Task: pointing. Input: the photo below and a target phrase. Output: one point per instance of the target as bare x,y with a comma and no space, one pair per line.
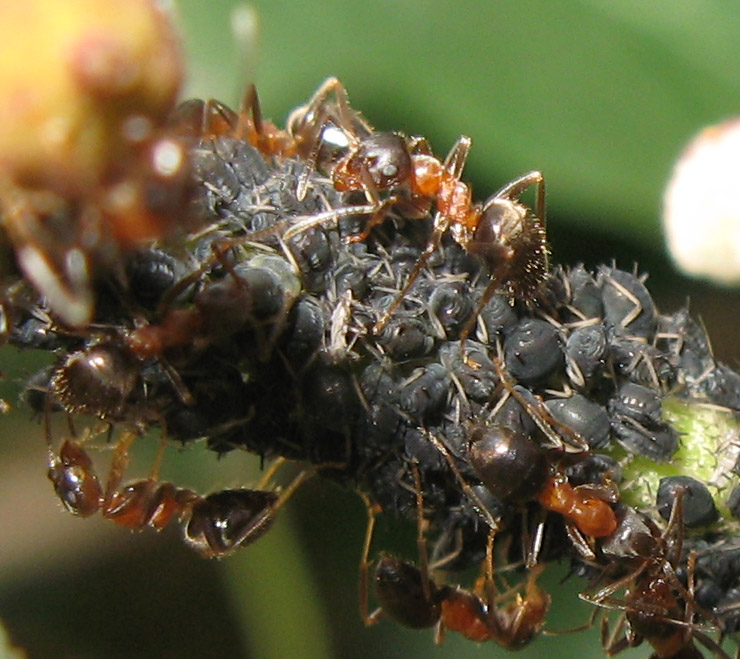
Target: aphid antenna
566,439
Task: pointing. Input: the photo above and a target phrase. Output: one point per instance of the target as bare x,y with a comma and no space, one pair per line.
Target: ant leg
421,543
469,492
490,584
492,287
515,188
457,157
270,473
378,216
306,223
441,226
250,129
118,465
305,112
365,563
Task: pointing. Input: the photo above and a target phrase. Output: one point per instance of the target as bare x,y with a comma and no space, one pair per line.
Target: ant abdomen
510,464
405,596
224,521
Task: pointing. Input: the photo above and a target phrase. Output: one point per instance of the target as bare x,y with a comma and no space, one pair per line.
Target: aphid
635,412
585,351
697,503
628,307
585,416
424,393
532,351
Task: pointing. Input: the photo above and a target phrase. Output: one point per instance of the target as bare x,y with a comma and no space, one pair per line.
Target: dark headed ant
214,525
657,606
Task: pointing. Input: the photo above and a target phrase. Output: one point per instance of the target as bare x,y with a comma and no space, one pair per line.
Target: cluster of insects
337,299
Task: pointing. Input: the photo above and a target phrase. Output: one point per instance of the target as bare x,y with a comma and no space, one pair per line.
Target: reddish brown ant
408,595
214,525
504,233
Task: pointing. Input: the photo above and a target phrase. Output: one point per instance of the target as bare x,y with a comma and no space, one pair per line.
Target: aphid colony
341,301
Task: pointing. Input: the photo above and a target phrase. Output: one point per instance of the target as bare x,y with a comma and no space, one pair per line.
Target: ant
656,606
214,525
309,126
503,232
515,469
408,595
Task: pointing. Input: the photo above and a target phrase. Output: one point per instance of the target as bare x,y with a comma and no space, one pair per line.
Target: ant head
75,482
381,160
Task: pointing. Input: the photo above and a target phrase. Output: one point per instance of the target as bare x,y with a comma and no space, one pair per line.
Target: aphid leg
441,225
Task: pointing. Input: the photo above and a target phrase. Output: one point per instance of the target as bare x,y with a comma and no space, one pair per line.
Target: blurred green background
599,95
